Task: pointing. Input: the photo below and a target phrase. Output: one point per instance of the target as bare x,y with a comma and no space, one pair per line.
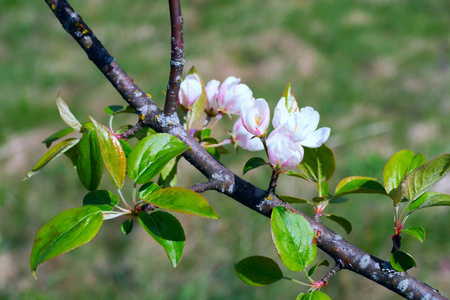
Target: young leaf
425,176
57,135
127,226
316,295
51,155
151,154
430,199
147,189
290,199
297,174
417,231
343,222
68,230
126,147
318,164
313,268
253,163
359,184
112,152
90,161
67,115
398,165
167,231
258,270
402,261
105,200
294,239
118,109
169,176
323,188
181,200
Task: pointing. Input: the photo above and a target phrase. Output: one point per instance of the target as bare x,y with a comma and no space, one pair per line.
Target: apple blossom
285,109
231,95
282,151
245,139
212,89
305,132
190,91
256,116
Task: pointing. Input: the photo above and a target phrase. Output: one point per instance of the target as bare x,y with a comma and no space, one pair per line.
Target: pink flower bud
256,116
245,139
232,94
190,91
212,89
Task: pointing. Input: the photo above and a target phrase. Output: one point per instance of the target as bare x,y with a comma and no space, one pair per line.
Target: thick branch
176,59
347,255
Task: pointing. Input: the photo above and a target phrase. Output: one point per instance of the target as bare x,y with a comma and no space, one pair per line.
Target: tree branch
347,255
176,59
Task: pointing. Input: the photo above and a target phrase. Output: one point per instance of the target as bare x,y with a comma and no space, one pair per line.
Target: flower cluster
293,128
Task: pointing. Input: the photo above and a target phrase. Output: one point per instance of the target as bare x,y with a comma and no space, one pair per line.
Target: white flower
245,139
256,116
306,132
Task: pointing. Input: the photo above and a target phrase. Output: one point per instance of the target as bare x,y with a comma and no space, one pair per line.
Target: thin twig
176,59
205,186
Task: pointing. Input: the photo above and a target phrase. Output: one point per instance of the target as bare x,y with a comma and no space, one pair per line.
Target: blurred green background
376,70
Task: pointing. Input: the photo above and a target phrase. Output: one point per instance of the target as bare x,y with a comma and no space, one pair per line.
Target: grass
377,71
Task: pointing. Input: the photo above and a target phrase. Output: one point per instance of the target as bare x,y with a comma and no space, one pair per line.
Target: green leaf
57,135
359,184
90,161
118,109
199,106
401,163
202,134
51,155
296,174
290,199
316,295
338,200
343,222
313,268
105,200
430,199
253,163
147,189
112,152
167,231
67,115
72,154
318,164
294,239
183,201
169,176
151,154
402,261
126,147
417,231
323,188
127,226
68,230
258,270
425,176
